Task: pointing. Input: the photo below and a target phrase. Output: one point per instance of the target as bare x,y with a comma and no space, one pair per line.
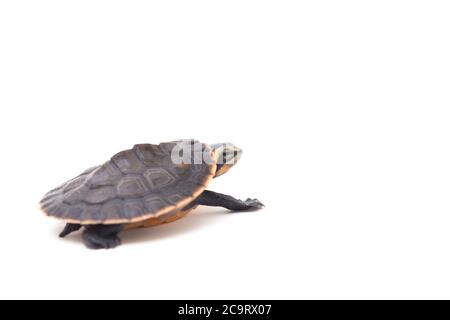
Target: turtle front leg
102,236
214,199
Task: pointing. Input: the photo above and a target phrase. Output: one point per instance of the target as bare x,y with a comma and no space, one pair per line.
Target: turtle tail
69,228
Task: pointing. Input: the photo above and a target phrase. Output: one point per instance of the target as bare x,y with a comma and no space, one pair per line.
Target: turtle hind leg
69,228
102,236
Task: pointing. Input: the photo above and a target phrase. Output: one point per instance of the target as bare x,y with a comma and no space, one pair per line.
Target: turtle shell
133,186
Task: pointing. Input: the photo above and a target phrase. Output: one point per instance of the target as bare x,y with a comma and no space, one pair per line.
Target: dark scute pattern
128,162
113,209
149,153
175,198
75,196
132,186
134,208
134,183
158,178
154,202
74,183
76,211
99,195
94,211
105,175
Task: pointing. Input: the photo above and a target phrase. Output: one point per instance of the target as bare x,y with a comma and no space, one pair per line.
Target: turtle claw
253,204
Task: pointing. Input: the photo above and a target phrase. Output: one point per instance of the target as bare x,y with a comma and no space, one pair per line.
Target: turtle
142,187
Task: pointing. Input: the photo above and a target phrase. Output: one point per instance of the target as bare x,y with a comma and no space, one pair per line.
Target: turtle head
227,155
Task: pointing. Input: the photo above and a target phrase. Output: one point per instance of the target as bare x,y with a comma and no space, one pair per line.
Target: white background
342,108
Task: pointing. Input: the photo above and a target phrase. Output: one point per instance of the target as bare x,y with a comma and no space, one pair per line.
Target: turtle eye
227,157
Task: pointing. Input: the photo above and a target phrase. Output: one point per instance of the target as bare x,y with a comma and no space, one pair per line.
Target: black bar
243,309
